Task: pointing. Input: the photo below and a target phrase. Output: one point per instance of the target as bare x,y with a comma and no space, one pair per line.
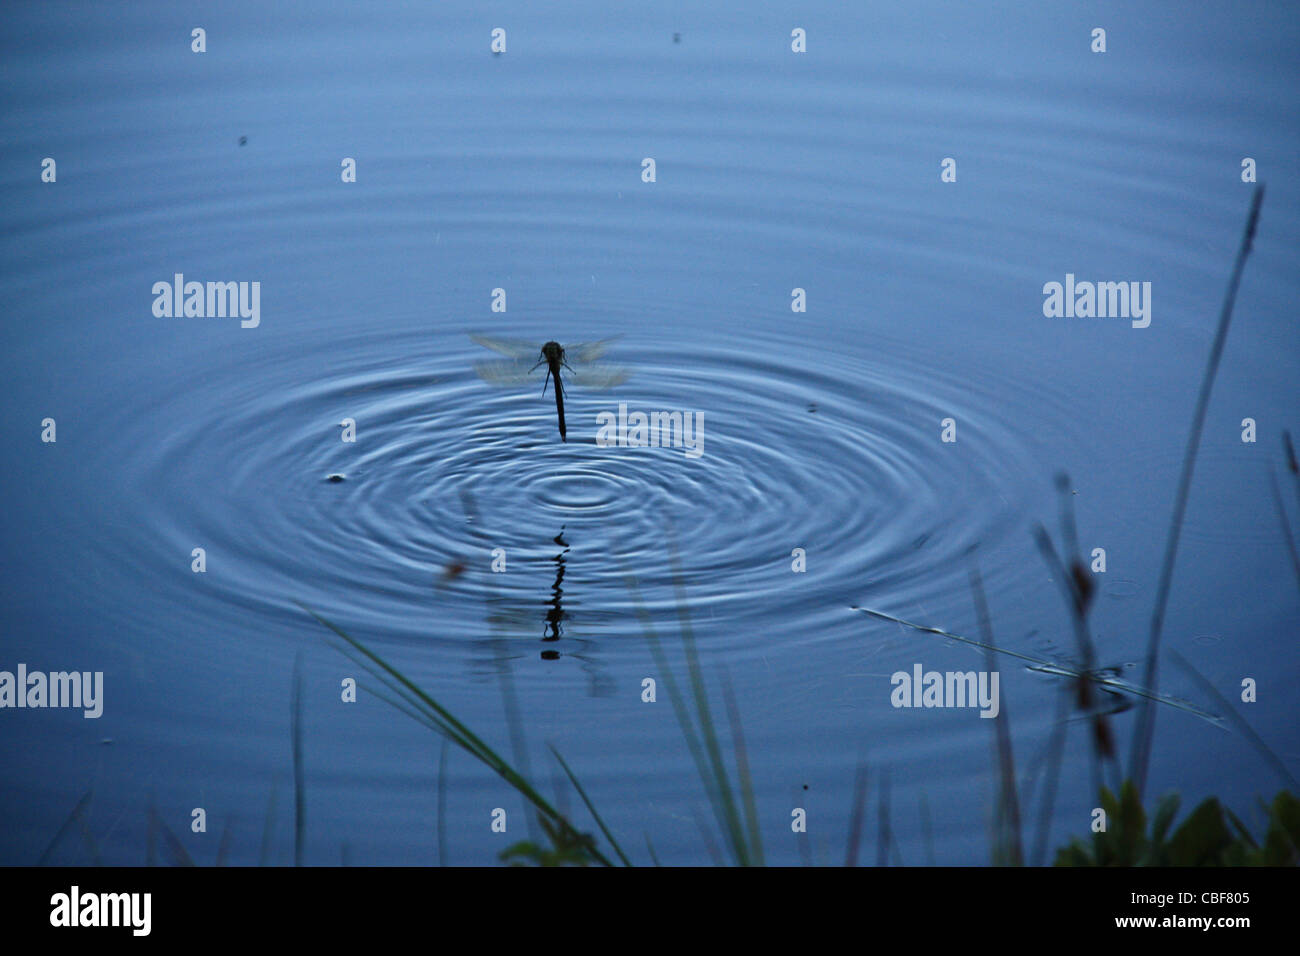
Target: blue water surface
775,171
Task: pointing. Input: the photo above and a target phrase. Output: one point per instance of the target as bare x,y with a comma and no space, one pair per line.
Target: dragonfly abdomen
559,405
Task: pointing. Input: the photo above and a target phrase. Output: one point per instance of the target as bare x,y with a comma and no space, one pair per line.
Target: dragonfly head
553,353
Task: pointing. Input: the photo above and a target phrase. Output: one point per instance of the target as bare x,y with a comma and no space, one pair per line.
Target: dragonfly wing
515,348
600,375
589,351
503,373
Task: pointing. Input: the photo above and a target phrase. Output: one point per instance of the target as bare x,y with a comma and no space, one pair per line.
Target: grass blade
1292,465
745,855
299,789
884,835
443,722
707,771
591,808
442,804
927,832
1284,524
75,817
1051,779
1144,730
1247,731
1008,844
742,771
858,815
175,849
654,857
268,828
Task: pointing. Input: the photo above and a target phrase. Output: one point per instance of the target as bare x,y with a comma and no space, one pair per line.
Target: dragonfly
516,371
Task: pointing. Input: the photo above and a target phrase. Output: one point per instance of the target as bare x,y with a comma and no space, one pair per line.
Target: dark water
775,171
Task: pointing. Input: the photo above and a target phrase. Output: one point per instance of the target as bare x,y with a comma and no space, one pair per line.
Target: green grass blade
75,817
678,700
299,787
858,815
442,804
730,813
591,808
1144,729
175,849
268,828
1009,839
742,772
1247,731
441,720
1285,525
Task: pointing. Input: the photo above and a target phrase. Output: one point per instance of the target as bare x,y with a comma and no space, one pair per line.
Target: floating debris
453,569
1103,677
243,141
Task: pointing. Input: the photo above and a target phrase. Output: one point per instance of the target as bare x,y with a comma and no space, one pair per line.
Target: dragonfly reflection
555,615
554,356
